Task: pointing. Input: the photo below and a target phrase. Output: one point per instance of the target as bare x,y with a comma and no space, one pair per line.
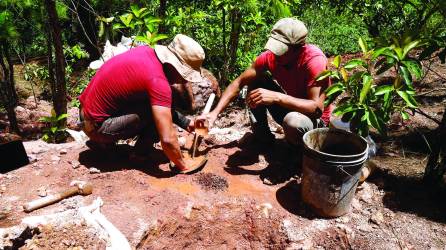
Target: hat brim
167,56
277,47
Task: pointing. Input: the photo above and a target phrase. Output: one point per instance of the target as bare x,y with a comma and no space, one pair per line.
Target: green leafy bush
365,104
138,22
335,33
54,131
78,87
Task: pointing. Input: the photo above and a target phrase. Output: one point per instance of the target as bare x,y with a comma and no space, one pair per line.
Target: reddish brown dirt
147,202
67,237
224,225
156,209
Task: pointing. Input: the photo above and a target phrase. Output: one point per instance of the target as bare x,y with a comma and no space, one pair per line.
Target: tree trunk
162,14
7,89
436,165
236,24
86,30
60,97
49,52
224,73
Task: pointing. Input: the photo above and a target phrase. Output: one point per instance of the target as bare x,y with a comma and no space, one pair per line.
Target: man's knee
295,125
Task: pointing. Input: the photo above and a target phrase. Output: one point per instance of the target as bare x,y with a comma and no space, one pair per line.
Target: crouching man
134,93
282,80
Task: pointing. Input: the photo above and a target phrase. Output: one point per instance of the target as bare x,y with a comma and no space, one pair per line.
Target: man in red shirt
133,94
282,80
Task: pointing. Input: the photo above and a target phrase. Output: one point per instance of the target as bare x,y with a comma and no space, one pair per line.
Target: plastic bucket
332,164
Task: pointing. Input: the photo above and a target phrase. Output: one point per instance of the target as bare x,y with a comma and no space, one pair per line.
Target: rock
267,181
55,158
293,232
182,141
42,192
343,219
38,150
63,151
366,194
356,204
188,209
202,90
74,164
2,188
306,244
32,158
265,208
20,109
94,171
364,228
377,218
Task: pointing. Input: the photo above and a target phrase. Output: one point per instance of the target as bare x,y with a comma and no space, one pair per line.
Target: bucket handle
341,168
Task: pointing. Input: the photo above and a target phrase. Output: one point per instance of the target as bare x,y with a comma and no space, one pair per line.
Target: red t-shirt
135,76
297,77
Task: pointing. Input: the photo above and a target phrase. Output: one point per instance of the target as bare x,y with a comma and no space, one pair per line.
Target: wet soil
210,181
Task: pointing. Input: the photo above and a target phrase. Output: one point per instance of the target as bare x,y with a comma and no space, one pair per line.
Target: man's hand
191,127
262,96
162,117
206,120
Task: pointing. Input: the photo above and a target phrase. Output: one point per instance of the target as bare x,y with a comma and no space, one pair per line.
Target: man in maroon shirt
134,93
282,80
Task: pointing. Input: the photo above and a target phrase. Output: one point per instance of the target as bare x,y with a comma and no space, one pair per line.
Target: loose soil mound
228,226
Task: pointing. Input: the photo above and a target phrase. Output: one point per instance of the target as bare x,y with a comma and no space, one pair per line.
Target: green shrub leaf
406,75
363,45
410,101
381,90
409,47
334,89
337,61
324,74
366,85
354,63
414,67
405,115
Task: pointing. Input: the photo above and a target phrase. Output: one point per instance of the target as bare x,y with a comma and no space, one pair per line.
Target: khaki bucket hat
185,54
286,32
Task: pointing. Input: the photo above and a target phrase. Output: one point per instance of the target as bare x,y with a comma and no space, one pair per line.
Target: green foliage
54,132
78,87
138,22
72,55
364,103
335,33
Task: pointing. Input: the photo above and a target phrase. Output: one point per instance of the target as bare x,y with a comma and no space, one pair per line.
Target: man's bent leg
295,125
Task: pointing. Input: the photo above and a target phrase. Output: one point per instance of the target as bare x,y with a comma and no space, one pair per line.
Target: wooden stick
206,110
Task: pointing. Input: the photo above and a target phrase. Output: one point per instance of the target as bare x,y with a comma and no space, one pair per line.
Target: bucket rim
363,154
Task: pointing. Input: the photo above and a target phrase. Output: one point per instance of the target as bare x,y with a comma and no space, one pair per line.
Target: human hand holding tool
202,127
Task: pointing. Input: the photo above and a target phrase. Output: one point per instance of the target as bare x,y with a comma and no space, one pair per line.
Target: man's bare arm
168,136
232,91
312,107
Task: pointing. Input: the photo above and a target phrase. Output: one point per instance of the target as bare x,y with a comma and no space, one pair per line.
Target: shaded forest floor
227,204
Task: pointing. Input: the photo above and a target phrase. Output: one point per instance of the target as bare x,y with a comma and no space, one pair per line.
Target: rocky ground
228,204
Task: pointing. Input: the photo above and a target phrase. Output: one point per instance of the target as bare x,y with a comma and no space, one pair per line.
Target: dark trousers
294,124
